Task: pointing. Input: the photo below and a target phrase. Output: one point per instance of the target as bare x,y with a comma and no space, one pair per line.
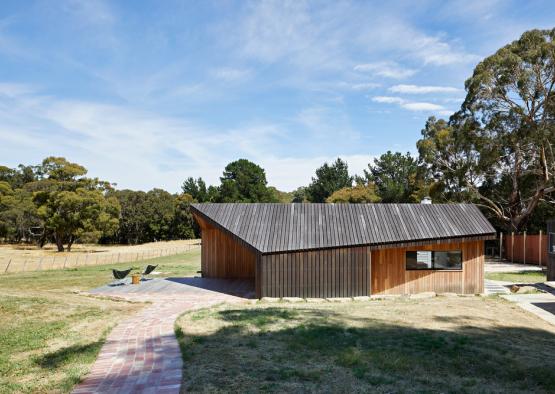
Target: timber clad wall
342,272
389,275
223,257
551,254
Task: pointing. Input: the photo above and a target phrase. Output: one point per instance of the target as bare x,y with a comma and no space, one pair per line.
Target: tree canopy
397,177
328,179
355,195
244,181
498,149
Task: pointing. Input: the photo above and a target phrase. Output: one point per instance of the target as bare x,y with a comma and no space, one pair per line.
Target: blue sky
145,94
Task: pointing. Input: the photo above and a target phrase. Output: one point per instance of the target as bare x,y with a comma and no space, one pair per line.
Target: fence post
500,245
24,264
540,251
65,261
524,248
8,266
118,256
40,263
512,247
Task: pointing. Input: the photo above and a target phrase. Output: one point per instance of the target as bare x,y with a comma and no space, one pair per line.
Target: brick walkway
141,354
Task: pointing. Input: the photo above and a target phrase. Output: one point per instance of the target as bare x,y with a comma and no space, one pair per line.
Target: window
434,260
551,246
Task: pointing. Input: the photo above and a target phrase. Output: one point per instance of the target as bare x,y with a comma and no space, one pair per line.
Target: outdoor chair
120,276
149,268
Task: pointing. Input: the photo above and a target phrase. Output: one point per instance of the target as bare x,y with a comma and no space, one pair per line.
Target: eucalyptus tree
498,148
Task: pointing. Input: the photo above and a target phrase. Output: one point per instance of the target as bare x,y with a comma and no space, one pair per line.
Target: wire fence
17,264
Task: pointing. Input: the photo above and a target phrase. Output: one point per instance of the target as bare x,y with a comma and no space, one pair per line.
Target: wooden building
345,250
551,250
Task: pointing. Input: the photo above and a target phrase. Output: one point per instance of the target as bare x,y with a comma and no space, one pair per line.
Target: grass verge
438,345
50,334
517,277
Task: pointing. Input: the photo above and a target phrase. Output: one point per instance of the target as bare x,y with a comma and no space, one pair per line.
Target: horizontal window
434,260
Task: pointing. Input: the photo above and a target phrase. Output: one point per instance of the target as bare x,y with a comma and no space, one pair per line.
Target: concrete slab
507,266
492,287
152,289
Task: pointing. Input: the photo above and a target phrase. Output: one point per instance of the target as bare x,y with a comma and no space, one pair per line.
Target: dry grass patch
50,334
49,341
436,345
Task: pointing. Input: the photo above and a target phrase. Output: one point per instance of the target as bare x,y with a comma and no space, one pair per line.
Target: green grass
50,334
517,277
433,346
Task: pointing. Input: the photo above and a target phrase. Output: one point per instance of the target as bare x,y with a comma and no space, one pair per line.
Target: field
21,257
50,333
444,344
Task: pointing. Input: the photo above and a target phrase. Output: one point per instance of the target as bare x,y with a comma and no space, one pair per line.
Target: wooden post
40,263
524,248
512,247
65,261
24,264
8,266
540,249
118,256
500,246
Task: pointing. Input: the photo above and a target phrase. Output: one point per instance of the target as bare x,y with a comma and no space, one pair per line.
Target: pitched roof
271,228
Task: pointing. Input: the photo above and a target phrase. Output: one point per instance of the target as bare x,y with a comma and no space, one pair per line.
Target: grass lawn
517,277
50,334
439,345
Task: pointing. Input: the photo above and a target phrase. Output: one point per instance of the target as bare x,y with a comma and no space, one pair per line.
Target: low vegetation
518,277
50,334
455,344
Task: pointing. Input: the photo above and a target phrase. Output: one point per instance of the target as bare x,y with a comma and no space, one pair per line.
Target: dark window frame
551,243
433,265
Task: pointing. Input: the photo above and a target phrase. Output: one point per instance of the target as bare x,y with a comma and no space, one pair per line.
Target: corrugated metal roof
271,228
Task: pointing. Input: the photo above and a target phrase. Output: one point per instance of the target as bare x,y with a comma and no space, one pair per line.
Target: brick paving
141,354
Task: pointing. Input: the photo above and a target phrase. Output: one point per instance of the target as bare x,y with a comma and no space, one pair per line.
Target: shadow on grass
68,355
319,350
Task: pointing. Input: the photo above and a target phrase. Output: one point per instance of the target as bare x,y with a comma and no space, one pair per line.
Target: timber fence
70,260
525,248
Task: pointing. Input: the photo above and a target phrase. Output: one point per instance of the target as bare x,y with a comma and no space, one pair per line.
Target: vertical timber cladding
338,272
389,275
551,250
224,257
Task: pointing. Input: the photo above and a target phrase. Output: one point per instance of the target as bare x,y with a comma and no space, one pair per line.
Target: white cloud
15,89
141,150
93,12
419,89
288,173
415,106
422,106
386,69
388,100
230,74
365,86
